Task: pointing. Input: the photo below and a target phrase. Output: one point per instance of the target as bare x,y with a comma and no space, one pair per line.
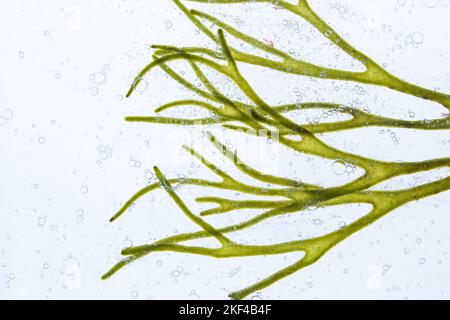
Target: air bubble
8,114
431,3
41,221
339,167
71,266
140,85
134,163
80,215
84,189
99,78
93,91
168,24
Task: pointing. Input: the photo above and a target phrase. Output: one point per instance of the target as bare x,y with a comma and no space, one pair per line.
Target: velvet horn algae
257,117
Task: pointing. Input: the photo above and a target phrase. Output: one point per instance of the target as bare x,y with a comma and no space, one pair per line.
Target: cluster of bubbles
177,273
298,94
98,79
359,90
79,215
392,134
9,279
6,116
135,163
104,153
325,114
293,25
343,11
233,272
415,39
340,167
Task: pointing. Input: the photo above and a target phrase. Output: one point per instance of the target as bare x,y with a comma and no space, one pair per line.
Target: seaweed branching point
259,118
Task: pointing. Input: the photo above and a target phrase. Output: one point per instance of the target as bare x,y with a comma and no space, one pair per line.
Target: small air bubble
93,91
339,167
99,78
8,114
84,189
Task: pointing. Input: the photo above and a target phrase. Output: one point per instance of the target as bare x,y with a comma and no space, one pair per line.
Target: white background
68,159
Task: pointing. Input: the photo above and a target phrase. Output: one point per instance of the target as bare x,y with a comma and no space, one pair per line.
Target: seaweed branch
374,73
287,196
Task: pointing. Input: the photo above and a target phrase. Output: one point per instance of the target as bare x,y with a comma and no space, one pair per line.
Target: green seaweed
259,118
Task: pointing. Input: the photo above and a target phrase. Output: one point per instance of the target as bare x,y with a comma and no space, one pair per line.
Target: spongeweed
258,116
